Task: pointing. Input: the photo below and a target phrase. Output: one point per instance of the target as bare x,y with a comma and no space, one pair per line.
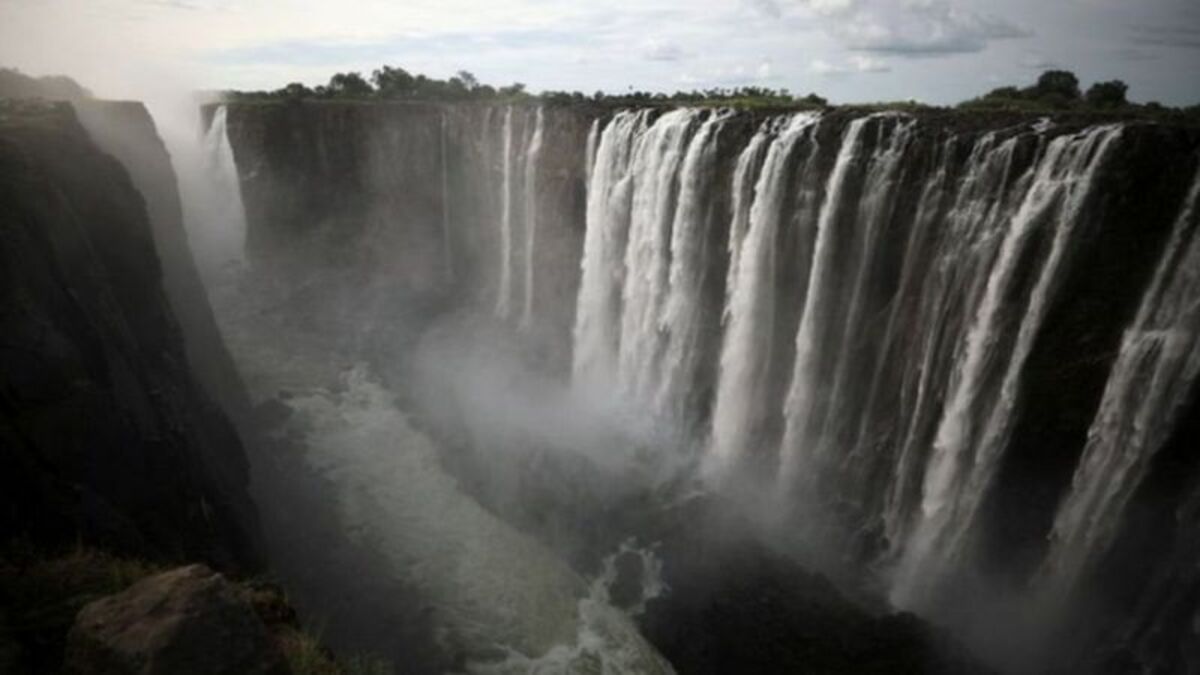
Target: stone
186,621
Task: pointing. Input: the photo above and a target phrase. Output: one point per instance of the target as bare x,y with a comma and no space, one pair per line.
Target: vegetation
1054,91
390,83
41,593
1059,91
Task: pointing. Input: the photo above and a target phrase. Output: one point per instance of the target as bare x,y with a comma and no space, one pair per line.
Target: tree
469,81
514,90
393,82
1003,93
1109,94
349,85
295,91
1057,83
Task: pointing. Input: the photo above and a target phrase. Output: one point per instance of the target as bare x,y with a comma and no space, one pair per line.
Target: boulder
188,620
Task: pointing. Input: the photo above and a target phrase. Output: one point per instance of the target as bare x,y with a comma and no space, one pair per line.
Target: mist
724,380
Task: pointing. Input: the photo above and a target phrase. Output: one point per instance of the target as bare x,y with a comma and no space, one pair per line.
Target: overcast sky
937,51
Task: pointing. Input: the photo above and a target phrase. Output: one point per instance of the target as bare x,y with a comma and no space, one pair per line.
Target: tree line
1054,90
392,83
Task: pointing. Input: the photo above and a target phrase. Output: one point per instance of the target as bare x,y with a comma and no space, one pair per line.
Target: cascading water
658,157
889,283
817,404
532,157
589,156
497,598
913,318
505,285
742,398
682,322
1149,382
955,482
597,312
224,222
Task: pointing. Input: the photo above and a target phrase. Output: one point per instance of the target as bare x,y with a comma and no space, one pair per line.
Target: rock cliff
109,436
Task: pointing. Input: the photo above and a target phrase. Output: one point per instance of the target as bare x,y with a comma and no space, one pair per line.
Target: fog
438,486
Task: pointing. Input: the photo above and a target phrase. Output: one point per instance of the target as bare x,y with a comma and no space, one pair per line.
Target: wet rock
188,620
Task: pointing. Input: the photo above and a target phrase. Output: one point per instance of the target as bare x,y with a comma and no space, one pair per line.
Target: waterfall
800,406
504,288
1158,362
597,312
589,155
447,250
742,398
532,157
657,161
976,421
227,240
883,298
682,321
947,282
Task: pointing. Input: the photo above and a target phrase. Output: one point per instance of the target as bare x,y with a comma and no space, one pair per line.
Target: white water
1147,386
832,339
532,158
589,155
504,287
682,324
222,233
974,224
965,456
658,156
597,323
742,402
803,392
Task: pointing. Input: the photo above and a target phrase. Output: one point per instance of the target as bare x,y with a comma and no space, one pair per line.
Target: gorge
544,386
948,359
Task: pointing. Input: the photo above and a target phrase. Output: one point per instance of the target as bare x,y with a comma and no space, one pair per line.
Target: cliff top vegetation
1054,92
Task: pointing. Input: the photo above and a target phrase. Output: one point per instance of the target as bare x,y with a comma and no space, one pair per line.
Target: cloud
831,7
1167,36
926,31
767,7
658,50
910,28
736,75
1038,62
856,64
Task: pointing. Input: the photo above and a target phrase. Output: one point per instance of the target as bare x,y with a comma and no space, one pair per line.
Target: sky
934,51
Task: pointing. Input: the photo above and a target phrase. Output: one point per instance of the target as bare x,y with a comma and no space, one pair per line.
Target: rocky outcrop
125,130
182,622
109,438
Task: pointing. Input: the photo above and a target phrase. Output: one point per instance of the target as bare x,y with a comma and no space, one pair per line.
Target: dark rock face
108,437
409,194
125,130
186,621
731,605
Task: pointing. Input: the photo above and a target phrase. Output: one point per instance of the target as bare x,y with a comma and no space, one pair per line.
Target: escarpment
110,438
